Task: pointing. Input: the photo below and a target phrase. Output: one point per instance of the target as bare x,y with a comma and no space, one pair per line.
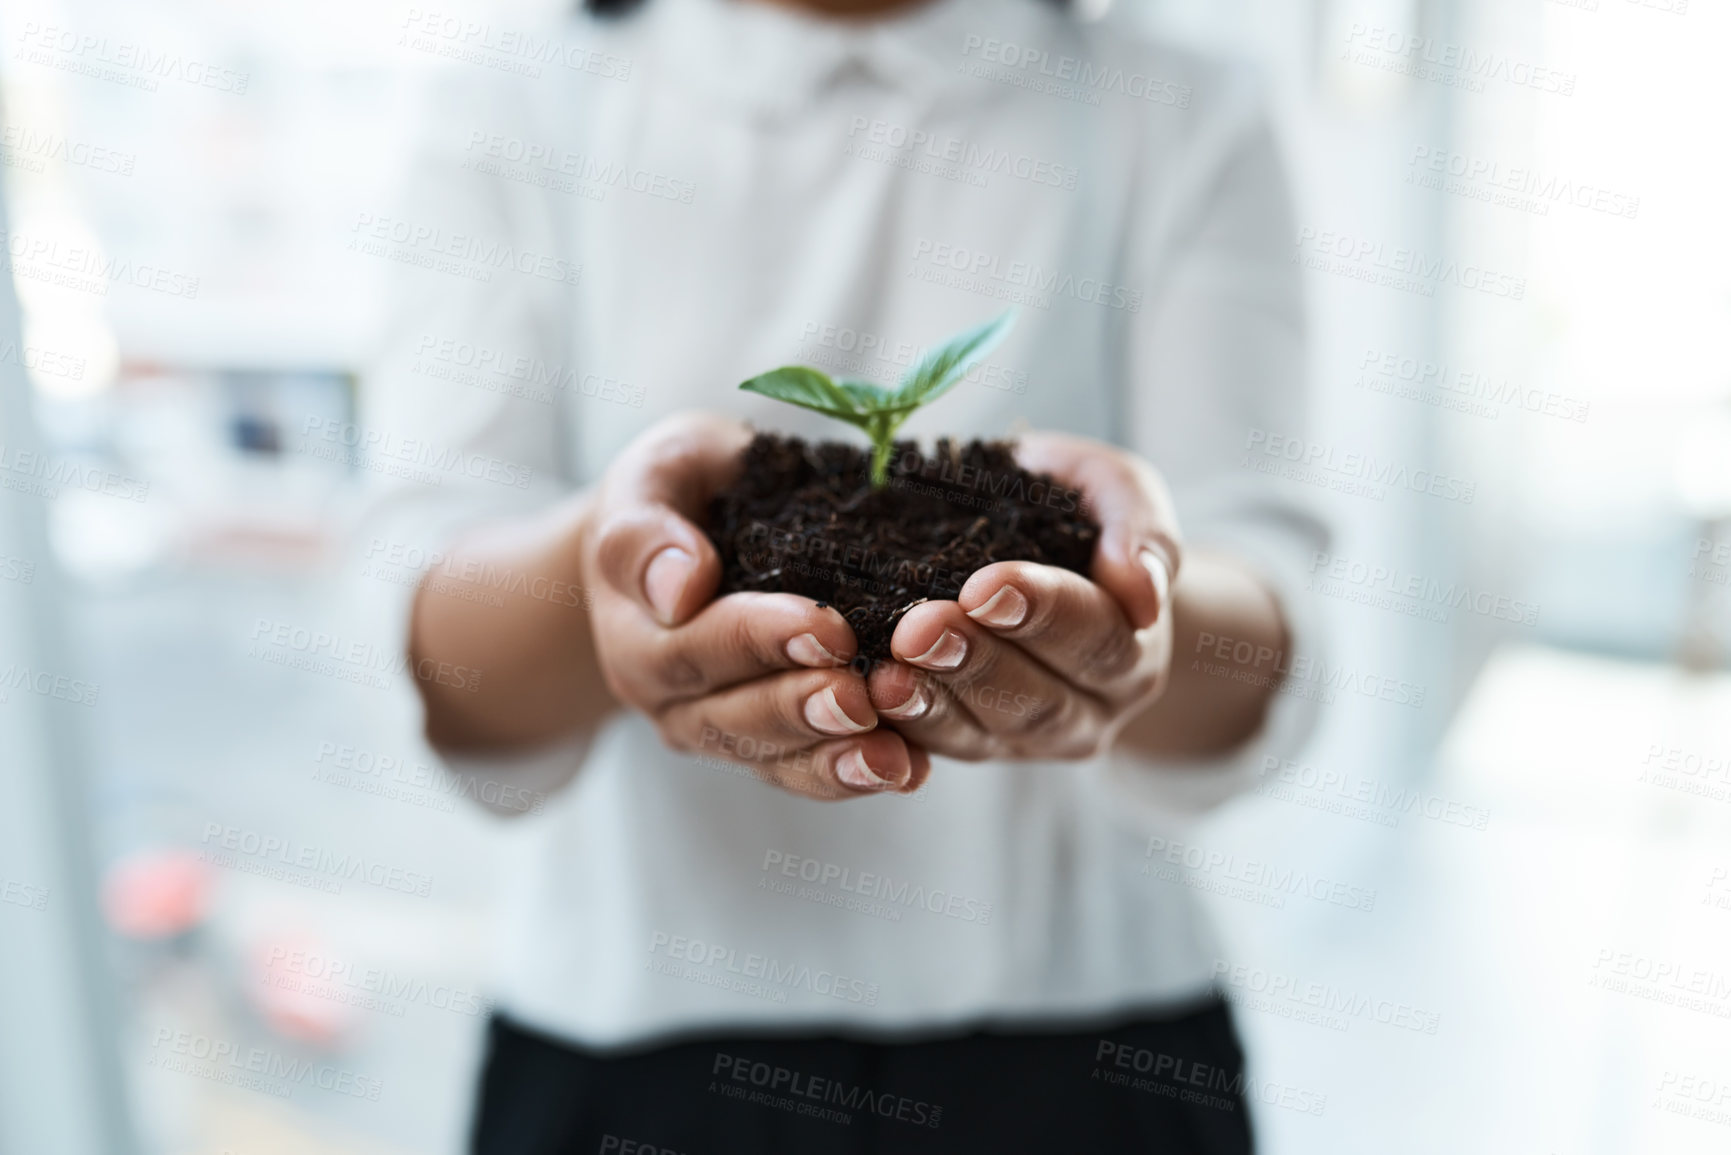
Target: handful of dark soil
803,519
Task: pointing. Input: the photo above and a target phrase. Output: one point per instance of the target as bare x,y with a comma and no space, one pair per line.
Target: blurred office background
1545,827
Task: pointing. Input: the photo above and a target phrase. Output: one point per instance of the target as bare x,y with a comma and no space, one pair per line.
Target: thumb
648,546
1137,557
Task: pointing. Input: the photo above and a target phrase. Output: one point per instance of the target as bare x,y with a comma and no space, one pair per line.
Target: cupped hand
1033,661
759,679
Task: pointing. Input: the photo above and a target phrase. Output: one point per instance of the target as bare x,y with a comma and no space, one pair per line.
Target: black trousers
1148,1085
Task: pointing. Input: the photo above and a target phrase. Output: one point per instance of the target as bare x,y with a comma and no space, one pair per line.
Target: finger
1069,624
733,639
922,765
841,769
920,708
810,731
1018,702
791,710
647,544
824,772
1139,552
680,462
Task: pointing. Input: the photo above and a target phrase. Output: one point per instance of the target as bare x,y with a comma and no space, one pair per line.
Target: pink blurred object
299,988
156,893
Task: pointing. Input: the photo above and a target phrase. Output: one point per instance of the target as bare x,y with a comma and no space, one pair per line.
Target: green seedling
874,408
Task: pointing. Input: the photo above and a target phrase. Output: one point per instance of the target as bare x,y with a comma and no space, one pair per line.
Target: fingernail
1161,573
917,704
665,580
946,653
808,651
825,715
851,768
1005,609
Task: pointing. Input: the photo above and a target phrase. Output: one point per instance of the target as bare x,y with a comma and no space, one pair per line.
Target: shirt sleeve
463,408
1216,354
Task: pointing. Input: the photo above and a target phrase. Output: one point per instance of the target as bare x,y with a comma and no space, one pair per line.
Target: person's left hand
1033,661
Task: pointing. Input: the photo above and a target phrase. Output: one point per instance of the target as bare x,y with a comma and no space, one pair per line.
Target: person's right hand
759,679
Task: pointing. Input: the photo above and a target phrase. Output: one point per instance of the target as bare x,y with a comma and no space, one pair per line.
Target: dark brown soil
803,519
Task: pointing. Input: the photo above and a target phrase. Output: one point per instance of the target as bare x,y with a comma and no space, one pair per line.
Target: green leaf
878,411
876,399
798,385
939,370
869,396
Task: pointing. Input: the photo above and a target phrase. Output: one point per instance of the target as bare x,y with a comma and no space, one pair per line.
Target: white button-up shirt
616,221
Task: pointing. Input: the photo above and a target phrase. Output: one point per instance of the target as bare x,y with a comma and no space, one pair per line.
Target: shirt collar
774,61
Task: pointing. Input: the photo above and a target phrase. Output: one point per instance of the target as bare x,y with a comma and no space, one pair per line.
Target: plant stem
881,461
881,428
